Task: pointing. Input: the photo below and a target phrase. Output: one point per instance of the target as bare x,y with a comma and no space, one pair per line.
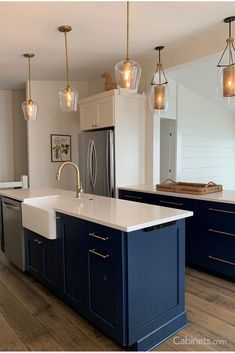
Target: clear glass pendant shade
30,110
127,74
68,99
159,98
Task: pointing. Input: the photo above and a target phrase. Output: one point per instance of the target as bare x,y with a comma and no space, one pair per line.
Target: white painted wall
205,139
19,135
51,120
6,137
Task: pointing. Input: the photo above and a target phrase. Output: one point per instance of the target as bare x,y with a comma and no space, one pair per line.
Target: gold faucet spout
78,186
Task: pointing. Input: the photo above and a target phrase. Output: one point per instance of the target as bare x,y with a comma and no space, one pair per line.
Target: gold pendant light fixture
30,108
159,91
68,96
227,65
128,72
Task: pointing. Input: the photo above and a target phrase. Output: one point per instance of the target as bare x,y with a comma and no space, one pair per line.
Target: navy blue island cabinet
129,285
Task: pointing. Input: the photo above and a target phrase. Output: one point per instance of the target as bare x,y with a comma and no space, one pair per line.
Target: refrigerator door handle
94,165
110,164
111,158
89,167
107,165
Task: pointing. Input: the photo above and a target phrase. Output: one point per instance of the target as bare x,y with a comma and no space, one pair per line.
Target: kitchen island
210,233
118,263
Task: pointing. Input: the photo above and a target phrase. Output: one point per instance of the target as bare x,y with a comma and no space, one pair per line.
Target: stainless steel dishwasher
13,232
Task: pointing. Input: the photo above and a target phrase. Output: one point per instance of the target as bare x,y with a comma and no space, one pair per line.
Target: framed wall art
60,148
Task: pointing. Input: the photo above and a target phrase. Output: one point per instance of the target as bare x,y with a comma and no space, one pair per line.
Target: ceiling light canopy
128,72
30,108
227,65
68,96
159,91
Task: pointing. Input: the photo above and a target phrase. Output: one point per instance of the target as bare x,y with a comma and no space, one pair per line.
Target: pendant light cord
127,30
29,79
230,56
159,62
66,58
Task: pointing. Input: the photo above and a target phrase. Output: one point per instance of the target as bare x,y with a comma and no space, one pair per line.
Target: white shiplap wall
205,140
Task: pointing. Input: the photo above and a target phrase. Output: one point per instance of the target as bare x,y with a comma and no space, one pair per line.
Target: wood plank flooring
33,319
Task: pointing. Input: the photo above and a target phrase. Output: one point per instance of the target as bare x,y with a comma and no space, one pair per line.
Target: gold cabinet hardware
171,203
133,197
94,252
221,232
221,260
93,235
221,211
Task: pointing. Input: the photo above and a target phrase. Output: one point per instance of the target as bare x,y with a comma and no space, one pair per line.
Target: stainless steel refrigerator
96,162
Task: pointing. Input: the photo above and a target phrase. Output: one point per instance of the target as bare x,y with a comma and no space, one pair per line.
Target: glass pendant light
128,72
68,96
227,66
30,108
159,91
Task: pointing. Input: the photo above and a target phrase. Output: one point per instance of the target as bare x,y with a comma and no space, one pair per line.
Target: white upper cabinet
126,115
97,112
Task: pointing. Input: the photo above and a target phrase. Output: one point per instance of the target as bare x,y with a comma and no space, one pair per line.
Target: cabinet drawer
219,217
137,196
176,202
102,240
221,244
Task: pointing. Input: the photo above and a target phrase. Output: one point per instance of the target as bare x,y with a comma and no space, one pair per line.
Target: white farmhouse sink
38,214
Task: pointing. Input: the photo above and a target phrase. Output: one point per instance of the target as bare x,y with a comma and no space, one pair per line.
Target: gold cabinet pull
133,197
221,232
221,211
221,260
93,235
94,252
171,203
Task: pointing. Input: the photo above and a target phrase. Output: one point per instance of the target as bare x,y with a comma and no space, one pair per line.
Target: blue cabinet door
52,265
74,243
34,254
106,284
43,260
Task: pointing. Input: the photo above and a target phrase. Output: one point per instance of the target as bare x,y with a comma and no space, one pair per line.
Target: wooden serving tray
190,188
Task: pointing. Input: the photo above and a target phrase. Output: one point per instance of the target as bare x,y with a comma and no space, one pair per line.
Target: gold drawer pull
93,251
171,203
133,197
221,260
93,235
220,232
221,211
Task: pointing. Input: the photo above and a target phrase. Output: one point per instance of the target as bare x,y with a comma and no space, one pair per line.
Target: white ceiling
97,41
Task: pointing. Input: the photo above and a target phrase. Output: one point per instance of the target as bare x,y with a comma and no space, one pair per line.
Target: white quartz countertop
226,196
23,194
119,214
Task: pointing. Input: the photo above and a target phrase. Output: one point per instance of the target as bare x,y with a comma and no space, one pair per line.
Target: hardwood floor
31,318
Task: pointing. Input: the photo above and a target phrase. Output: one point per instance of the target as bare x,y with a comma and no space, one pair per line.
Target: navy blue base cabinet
130,285
210,233
43,260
